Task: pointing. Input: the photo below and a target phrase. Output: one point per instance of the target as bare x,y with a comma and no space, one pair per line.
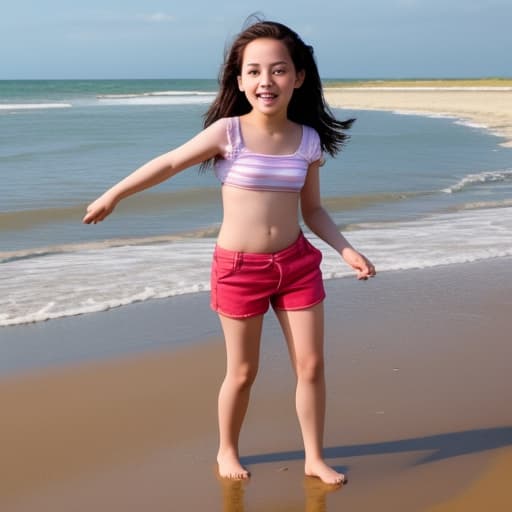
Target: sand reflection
315,494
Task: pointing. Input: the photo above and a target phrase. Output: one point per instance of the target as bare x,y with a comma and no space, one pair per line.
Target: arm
321,223
203,146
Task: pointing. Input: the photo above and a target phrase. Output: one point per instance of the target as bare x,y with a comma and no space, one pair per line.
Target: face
268,76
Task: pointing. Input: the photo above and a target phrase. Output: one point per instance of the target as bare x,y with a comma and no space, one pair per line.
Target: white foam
472,124
447,115
33,106
478,205
422,113
458,118
155,93
179,100
64,284
158,98
479,178
440,239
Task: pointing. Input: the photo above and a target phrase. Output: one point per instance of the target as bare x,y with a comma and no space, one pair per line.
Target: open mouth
266,96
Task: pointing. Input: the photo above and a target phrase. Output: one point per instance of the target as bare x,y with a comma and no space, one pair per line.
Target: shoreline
418,387
73,339
489,108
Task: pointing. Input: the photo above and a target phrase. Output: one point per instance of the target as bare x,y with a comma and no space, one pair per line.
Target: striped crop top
242,168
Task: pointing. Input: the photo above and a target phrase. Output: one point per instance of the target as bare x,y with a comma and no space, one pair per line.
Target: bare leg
304,332
242,338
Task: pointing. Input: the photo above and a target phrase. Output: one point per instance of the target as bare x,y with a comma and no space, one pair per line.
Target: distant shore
486,103
495,82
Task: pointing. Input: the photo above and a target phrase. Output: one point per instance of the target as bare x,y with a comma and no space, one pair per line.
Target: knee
242,377
310,370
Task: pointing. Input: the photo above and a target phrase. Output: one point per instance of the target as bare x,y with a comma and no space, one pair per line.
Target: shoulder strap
234,136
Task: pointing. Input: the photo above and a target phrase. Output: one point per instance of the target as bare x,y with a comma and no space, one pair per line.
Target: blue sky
186,39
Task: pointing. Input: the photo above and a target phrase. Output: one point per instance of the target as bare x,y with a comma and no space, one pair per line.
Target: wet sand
419,412
485,107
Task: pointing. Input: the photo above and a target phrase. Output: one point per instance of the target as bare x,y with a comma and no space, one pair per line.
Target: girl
264,135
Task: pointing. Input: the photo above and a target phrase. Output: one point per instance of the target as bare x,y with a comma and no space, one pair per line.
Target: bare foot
230,467
327,474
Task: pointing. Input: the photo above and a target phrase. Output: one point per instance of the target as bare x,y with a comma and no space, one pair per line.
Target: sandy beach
419,410
486,106
117,410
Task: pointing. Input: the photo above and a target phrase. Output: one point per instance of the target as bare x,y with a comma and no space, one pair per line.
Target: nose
266,78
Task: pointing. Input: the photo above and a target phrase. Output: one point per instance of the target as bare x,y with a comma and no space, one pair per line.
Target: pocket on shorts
314,250
223,268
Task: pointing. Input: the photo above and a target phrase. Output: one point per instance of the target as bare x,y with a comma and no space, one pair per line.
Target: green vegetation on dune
443,82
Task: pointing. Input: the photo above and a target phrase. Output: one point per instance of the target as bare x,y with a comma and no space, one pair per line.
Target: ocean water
409,191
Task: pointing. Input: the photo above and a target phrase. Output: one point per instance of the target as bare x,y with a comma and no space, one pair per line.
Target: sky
45,39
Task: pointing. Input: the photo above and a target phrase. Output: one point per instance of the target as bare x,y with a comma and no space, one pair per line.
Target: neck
268,122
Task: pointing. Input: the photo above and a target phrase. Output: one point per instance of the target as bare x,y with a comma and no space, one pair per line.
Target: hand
99,209
362,265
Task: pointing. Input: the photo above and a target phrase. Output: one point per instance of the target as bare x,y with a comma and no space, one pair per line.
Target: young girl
264,135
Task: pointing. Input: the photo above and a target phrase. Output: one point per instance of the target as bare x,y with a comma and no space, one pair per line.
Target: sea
409,191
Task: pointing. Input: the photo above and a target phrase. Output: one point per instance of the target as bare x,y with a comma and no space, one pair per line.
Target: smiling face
268,76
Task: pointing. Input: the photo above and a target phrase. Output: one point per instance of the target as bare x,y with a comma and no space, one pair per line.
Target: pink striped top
242,168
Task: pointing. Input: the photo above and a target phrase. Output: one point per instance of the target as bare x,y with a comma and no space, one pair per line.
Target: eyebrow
278,63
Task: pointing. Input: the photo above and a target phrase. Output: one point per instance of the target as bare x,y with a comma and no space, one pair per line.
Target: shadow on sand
440,446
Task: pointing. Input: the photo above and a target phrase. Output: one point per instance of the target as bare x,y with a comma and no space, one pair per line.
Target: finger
361,275
90,217
96,216
370,269
365,274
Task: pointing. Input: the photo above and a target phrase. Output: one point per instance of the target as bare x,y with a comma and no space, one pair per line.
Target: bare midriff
258,221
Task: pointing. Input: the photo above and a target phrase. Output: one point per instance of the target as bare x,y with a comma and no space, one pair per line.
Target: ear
239,80
301,75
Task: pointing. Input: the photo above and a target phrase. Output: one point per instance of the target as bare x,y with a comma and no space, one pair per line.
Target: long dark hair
307,105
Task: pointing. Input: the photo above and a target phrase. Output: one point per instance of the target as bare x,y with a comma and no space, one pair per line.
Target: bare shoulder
218,127
209,141
216,133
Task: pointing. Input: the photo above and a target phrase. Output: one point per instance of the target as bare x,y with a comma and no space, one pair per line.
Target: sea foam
85,281
158,98
33,106
479,178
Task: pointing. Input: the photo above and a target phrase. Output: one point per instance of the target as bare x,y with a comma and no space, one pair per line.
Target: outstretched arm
203,146
321,223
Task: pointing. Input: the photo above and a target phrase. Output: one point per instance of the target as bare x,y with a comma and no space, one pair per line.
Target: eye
252,72
279,71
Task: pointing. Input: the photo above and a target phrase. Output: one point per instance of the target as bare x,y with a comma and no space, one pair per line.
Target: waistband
294,249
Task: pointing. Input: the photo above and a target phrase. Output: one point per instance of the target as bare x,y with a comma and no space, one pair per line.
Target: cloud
159,17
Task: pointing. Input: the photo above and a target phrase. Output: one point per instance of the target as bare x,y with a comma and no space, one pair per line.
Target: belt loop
237,261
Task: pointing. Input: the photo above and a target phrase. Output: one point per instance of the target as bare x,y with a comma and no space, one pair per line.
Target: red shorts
245,284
